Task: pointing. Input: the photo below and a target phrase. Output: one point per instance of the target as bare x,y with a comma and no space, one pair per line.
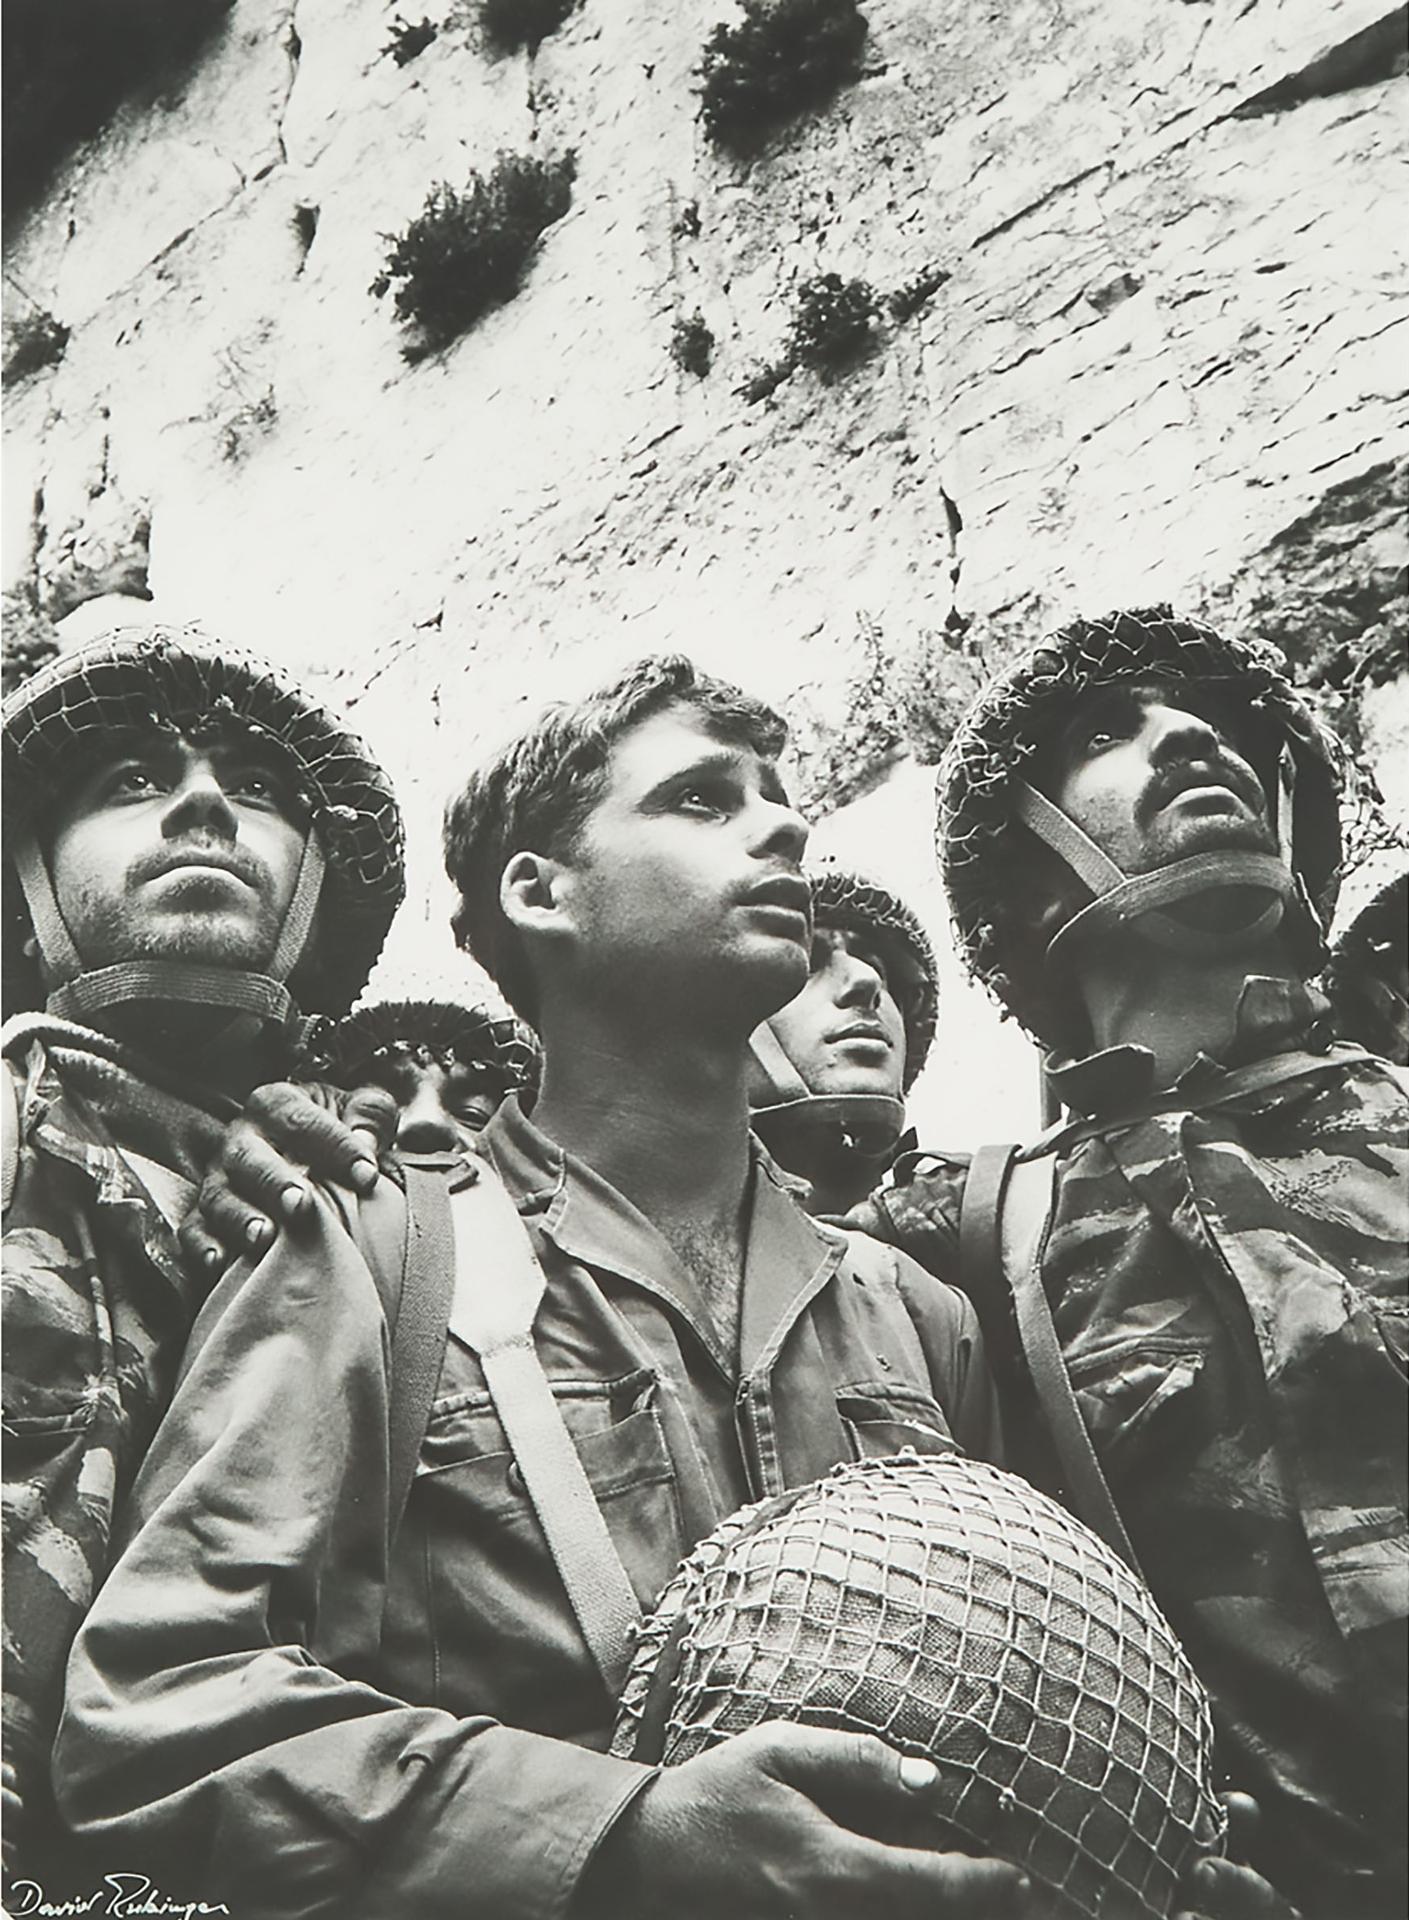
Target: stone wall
1161,356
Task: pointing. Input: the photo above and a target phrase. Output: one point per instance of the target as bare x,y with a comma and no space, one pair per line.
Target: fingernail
363,1175
293,1200
210,1259
258,1234
917,1775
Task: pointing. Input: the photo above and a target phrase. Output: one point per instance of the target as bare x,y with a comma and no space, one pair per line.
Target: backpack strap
1003,1222
498,1286
419,1329
1026,1212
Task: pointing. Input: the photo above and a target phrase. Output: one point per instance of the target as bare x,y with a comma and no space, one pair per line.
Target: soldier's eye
134,777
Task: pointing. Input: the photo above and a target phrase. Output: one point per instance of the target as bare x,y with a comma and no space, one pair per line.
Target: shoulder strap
980,1256
1026,1209
418,1334
9,1132
498,1286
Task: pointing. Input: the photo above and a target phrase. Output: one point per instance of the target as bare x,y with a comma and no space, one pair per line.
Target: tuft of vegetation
250,421
29,639
68,63
34,341
783,58
692,344
409,41
466,250
510,25
833,324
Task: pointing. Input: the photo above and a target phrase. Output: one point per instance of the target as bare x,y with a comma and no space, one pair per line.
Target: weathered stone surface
1167,361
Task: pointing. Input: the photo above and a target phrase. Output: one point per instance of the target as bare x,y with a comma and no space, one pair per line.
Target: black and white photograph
705,960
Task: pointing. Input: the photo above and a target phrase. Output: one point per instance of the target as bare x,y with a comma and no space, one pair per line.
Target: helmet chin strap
81,992
1136,901
867,1124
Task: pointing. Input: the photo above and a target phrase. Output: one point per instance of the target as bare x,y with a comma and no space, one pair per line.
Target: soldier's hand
258,1181
766,1826
1229,1889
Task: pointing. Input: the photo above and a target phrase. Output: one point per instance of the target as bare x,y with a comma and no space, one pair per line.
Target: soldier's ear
535,893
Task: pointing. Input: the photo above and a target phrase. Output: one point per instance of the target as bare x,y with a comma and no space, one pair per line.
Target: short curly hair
538,793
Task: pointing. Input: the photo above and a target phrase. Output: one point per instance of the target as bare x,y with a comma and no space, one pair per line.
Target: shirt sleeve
953,1345
220,1709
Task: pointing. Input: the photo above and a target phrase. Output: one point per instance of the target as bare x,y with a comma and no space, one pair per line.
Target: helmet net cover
983,848
947,1607
436,1030
847,901
164,679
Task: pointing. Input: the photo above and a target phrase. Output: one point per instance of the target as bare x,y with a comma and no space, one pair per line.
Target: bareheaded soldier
1141,838
834,1065
198,857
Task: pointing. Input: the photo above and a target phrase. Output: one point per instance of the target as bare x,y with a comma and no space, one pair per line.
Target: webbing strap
980,1261
293,935
1136,900
61,956
498,1286
767,1049
1066,839
1026,1209
418,1336
239,992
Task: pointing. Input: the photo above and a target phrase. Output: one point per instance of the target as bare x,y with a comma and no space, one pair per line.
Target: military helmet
985,846
846,900
948,1608
433,1032
139,679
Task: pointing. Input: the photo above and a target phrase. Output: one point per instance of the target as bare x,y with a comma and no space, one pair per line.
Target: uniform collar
788,1257
1273,1016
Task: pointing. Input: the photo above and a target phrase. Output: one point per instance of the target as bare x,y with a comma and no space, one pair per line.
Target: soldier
1368,978
446,1066
1140,837
834,1065
197,856
313,1706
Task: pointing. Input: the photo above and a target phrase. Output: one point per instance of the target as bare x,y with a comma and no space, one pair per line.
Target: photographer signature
121,1894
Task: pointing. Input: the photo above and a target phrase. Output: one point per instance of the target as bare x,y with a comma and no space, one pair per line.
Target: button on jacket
311,1722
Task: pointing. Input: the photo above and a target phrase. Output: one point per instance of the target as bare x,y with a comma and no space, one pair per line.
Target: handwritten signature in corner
127,1896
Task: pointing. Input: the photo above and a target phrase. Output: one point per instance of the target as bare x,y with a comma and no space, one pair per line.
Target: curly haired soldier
832,1068
197,857
1140,835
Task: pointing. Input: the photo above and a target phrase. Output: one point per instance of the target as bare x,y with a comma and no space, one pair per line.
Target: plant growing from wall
692,344
833,324
467,248
511,25
34,341
409,40
783,58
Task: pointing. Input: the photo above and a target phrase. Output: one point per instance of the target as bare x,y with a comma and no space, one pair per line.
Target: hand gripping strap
498,1286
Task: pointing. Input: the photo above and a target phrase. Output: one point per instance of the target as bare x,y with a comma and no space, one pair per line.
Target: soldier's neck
220,1052
1176,1006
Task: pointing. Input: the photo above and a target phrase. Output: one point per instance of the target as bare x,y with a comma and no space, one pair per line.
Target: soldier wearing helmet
1368,976
198,860
1139,830
833,1066
447,1066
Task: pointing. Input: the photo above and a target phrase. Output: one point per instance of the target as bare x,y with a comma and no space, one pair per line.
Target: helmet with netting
433,1033
948,1608
986,850
846,900
92,702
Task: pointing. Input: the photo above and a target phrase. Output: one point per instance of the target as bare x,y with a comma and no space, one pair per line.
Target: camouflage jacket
96,1311
1228,1286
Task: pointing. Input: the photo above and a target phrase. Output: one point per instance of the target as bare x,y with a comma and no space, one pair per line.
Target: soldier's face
686,880
1150,771
175,851
845,1032
441,1107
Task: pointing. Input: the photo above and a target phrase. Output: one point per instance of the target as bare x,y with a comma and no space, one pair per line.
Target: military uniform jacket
1228,1287
314,1721
97,1307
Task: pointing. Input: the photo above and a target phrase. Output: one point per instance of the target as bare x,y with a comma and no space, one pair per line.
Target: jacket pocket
474,1564
1127,1387
881,1417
